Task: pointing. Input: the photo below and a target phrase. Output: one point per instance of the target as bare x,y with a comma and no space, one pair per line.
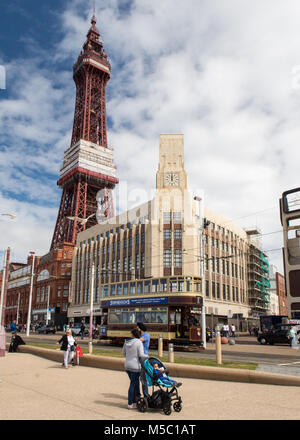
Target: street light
30,295
203,317
91,308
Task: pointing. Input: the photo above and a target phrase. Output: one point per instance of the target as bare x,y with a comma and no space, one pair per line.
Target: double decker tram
170,307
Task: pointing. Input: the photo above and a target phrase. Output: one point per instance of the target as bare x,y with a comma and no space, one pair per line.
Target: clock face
171,179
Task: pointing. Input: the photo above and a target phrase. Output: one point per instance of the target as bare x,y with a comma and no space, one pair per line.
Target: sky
226,74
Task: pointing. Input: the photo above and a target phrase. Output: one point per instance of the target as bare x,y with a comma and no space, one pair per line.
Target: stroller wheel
167,409
142,404
177,406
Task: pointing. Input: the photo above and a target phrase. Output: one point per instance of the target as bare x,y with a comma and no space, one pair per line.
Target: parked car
46,329
76,329
278,335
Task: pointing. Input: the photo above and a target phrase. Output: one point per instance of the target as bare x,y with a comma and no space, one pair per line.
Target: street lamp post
30,295
91,308
4,287
48,304
203,317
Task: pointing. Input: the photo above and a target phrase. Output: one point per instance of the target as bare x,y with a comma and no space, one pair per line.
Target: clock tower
171,173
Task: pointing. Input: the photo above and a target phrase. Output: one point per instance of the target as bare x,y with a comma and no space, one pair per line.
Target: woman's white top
71,341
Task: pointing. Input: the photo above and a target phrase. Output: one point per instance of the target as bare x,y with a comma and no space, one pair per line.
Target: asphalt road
246,349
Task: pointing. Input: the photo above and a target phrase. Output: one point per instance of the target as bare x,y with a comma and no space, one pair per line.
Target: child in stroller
167,392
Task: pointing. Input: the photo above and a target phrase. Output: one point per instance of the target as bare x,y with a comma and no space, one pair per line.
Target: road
246,349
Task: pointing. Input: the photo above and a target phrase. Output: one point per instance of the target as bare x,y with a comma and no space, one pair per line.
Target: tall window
177,258
177,234
167,234
177,217
167,258
167,217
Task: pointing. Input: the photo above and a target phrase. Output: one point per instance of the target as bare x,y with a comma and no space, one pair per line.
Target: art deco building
160,239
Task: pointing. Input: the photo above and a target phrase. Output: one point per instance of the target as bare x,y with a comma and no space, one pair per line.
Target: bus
170,307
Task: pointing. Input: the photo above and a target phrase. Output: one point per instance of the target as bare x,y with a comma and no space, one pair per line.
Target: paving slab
35,388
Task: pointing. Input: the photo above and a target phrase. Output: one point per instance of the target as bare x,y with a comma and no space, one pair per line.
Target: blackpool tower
88,174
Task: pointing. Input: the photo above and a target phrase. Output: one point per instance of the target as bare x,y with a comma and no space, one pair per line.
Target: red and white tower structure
88,174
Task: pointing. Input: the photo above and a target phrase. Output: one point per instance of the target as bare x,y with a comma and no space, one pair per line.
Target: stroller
164,396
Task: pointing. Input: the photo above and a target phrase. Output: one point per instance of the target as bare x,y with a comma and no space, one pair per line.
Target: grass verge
178,359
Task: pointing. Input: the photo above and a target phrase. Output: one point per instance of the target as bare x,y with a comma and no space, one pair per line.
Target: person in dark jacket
16,340
68,344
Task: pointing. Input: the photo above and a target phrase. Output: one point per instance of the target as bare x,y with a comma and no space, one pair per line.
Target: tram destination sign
138,301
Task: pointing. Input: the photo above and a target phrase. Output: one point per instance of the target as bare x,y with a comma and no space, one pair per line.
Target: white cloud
221,73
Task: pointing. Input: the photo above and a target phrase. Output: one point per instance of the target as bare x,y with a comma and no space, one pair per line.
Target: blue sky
225,74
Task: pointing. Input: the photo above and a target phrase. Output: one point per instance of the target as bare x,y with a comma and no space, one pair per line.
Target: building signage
138,301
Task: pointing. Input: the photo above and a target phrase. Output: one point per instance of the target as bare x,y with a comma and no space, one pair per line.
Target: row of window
177,234
236,294
132,316
177,254
161,285
222,266
141,221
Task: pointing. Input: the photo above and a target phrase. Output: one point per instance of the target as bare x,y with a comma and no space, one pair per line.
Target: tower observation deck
88,174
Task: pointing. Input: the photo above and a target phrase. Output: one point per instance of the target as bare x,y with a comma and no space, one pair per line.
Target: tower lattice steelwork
88,173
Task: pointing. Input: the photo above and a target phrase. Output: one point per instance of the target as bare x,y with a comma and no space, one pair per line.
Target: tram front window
125,289
132,287
139,287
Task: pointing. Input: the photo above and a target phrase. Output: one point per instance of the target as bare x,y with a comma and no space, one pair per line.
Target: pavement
35,388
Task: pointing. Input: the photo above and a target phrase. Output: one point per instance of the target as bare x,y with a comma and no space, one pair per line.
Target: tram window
154,285
119,289
125,317
102,292
113,289
163,285
131,317
132,287
105,290
147,286
125,289
197,286
115,317
180,285
143,316
189,285
173,285
159,317
139,287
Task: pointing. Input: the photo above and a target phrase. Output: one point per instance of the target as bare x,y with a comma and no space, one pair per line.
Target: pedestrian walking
82,329
13,326
68,344
133,351
145,338
292,335
233,330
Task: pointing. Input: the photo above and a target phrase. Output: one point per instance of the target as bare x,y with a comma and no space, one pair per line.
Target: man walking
82,328
145,338
233,330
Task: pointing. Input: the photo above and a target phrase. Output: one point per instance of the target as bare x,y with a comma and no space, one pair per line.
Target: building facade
161,239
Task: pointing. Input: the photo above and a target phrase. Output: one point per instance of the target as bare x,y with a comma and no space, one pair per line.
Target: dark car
278,335
46,329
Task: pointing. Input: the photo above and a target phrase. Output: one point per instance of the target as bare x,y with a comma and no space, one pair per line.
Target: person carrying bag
68,344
